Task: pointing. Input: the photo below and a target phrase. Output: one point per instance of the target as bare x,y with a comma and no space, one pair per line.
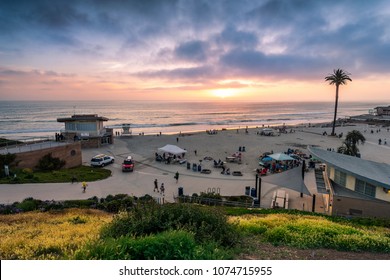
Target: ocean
30,119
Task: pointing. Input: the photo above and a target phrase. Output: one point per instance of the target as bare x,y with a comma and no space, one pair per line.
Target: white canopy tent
172,149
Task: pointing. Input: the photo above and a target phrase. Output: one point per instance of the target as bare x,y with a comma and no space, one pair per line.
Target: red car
128,164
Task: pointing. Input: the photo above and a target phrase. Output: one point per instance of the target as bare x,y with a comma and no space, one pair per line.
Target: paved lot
140,182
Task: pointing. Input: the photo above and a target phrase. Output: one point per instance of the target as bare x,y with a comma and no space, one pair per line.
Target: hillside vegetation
187,231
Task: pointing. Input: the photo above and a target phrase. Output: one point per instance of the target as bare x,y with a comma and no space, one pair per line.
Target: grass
315,232
181,231
49,235
82,173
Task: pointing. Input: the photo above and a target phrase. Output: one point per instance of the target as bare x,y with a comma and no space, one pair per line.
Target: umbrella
280,156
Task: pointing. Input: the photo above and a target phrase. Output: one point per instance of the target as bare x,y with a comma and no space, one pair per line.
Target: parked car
101,160
128,164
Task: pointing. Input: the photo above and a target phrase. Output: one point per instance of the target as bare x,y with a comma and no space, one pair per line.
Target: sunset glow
193,50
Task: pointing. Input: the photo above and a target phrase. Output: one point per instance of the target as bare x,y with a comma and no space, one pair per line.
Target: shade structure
265,159
290,179
172,149
280,156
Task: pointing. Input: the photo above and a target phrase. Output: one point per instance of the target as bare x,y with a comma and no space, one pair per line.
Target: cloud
195,40
231,37
192,51
183,74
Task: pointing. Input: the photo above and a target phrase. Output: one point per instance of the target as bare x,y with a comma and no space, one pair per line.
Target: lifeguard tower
126,129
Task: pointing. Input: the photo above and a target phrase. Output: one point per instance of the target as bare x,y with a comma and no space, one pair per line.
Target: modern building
354,186
382,111
88,129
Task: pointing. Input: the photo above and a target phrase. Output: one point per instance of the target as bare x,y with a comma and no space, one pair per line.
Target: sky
193,50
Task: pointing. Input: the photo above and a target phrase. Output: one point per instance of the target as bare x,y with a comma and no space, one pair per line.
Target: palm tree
355,137
349,146
339,77
346,149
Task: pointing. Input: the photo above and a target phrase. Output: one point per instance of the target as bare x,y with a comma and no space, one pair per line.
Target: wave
20,131
211,123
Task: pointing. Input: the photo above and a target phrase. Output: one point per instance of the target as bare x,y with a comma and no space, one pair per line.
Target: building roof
375,173
90,117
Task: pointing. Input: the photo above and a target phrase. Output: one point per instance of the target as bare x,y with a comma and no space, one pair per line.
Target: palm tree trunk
335,110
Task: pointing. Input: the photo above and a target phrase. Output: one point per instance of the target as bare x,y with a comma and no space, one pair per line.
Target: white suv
101,160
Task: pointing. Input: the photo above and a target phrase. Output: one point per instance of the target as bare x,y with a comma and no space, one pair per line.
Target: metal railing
214,201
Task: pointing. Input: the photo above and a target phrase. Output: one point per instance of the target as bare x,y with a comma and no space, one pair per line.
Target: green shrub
50,163
29,204
207,224
169,245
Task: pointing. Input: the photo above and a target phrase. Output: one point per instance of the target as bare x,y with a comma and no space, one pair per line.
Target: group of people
59,137
162,187
278,166
213,131
168,158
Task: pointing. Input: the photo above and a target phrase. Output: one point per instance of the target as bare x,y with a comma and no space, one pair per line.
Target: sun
223,92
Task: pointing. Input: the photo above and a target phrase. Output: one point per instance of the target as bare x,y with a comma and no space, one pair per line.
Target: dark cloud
188,74
295,38
231,37
192,51
253,63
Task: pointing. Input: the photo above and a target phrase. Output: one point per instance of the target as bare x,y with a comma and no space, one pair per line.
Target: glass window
340,178
370,190
365,188
359,186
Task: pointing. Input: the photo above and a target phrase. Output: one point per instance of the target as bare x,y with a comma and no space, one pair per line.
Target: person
177,176
380,141
155,185
84,186
74,179
162,188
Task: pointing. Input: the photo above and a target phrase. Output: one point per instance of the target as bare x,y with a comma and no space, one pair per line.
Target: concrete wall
345,206
71,153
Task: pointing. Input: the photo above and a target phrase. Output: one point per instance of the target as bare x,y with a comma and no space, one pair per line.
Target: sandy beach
216,146
219,146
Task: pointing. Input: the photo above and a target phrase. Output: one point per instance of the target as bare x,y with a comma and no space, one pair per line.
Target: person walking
177,176
84,186
155,185
162,188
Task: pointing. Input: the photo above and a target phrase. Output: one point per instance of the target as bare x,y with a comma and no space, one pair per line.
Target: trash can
188,165
180,191
194,167
253,192
247,190
199,168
